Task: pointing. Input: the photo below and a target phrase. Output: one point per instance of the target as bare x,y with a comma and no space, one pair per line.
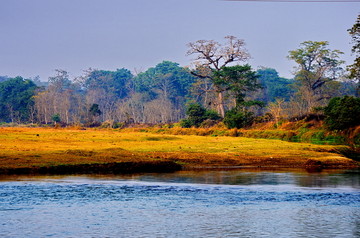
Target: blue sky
39,36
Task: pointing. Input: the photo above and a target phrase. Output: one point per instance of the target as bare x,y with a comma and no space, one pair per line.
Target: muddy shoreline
118,168
96,168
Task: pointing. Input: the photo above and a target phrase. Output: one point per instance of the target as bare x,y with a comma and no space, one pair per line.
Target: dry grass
34,147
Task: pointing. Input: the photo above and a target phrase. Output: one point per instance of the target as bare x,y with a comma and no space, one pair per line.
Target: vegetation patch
85,149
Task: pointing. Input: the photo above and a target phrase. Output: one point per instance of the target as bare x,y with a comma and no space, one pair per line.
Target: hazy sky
39,36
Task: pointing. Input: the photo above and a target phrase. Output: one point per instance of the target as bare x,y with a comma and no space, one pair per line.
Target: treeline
161,94
157,95
219,86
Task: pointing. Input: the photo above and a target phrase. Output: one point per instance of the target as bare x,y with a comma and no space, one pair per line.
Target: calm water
184,204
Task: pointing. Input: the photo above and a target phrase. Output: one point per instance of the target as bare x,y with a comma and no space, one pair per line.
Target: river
228,203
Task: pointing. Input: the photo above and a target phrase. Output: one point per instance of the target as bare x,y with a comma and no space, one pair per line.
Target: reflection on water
184,204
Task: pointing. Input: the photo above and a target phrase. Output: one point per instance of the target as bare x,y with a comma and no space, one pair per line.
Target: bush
118,125
342,113
208,123
197,114
212,115
238,119
185,123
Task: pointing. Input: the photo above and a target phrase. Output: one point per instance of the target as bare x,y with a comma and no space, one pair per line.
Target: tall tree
15,99
212,56
354,69
317,65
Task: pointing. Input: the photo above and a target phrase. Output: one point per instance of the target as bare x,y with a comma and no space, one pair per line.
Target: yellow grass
27,147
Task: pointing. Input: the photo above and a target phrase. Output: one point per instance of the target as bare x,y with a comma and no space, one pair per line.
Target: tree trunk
220,104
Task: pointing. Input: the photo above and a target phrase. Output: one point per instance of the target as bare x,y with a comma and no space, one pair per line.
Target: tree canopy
168,77
274,86
15,99
317,65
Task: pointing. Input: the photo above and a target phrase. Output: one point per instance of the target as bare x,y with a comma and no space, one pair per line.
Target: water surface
184,204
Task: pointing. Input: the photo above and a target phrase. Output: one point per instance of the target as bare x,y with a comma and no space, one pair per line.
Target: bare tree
212,56
276,109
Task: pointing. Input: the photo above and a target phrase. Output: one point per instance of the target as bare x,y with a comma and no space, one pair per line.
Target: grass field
38,147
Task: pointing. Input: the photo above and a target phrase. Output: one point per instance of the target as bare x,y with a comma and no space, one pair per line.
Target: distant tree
95,110
354,69
212,57
117,83
61,96
168,77
61,81
273,85
276,109
108,89
56,118
237,81
317,65
164,89
342,113
16,97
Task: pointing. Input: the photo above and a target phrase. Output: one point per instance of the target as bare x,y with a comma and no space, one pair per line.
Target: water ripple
82,207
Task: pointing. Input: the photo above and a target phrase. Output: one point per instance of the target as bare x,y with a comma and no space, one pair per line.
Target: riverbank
61,151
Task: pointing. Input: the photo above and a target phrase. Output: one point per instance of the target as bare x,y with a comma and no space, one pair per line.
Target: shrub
212,115
197,114
118,125
185,123
238,119
342,113
107,124
208,123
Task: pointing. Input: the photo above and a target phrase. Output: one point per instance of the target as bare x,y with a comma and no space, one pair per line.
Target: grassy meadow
41,147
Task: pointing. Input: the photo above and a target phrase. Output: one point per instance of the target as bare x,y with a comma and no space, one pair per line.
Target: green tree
317,65
237,80
354,69
342,112
274,86
197,114
56,118
167,78
117,83
16,98
95,110
164,90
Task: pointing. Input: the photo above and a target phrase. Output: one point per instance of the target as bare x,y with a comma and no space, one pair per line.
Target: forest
219,86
